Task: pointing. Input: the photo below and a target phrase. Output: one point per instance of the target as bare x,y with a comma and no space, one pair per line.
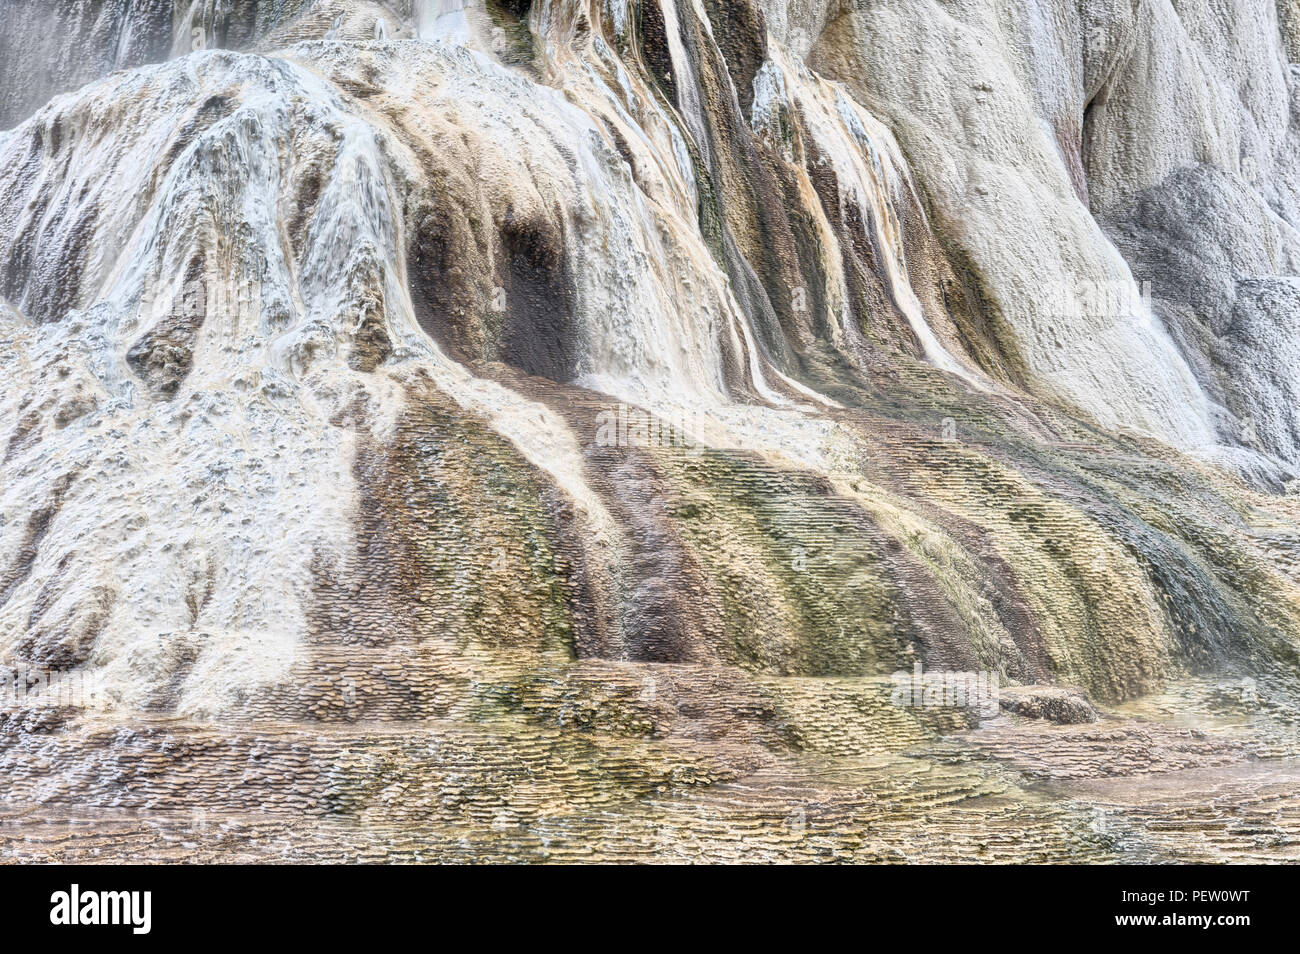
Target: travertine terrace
494,430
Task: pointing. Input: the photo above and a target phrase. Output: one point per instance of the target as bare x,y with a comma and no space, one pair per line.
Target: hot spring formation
555,430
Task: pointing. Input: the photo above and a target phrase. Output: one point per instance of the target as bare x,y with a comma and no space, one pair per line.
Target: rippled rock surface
650,429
